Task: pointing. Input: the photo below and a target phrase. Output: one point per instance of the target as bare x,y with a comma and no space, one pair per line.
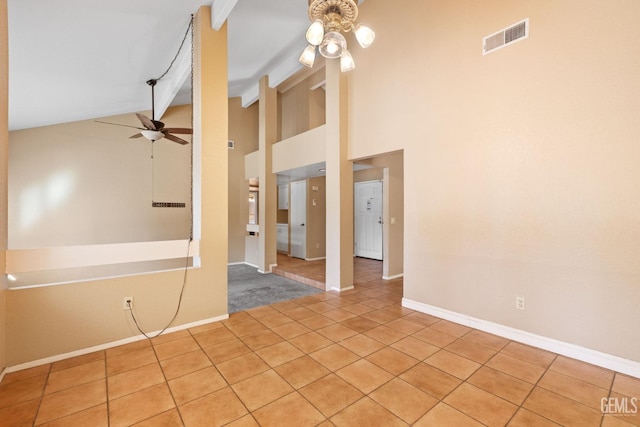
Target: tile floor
352,359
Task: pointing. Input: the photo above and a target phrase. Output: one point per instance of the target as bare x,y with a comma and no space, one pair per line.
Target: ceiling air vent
231,145
502,38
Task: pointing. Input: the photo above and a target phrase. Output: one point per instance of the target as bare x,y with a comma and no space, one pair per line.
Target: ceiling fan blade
175,139
146,121
118,124
159,125
179,130
137,135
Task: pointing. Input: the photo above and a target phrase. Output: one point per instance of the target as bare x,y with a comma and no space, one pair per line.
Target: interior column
4,155
267,195
207,290
339,270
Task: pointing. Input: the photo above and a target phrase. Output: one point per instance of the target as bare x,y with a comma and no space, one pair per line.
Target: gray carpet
249,289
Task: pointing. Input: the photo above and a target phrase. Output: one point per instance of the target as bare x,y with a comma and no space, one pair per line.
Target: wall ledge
604,360
106,346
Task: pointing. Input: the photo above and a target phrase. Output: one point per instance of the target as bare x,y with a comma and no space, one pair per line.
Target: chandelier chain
186,33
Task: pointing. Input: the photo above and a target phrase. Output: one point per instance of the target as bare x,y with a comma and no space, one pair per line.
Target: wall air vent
502,38
231,145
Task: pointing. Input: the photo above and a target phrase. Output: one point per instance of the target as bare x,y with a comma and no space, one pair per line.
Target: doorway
298,207
368,213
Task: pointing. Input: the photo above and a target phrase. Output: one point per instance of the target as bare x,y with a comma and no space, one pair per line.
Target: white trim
2,373
270,269
115,276
239,263
342,290
584,354
112,344
395,276
316,259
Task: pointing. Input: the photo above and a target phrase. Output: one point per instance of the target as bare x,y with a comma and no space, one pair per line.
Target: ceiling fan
153,129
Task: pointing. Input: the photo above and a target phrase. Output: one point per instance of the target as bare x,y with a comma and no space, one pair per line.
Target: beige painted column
267,197
339,272
4,148
210,117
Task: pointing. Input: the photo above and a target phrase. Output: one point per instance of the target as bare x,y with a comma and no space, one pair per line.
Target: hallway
312,273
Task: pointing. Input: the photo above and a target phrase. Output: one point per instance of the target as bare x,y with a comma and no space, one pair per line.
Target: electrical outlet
127,303
520,303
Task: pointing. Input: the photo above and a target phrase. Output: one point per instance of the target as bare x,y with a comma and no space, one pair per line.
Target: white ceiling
75,60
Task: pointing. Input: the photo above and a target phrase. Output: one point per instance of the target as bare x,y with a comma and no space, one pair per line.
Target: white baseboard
343,289
395,276
573,351
4,371
106,346
242,263
316,259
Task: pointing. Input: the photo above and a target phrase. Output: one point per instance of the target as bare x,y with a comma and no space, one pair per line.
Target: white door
368,218
298,207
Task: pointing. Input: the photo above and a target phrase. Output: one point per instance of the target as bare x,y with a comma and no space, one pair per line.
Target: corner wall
521,166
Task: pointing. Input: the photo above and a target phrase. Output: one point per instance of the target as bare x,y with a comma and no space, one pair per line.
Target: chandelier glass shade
333,45
315,33
329,19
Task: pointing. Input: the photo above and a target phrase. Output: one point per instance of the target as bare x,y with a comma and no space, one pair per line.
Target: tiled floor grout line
521,406
613,380
106,386
166,380
44,388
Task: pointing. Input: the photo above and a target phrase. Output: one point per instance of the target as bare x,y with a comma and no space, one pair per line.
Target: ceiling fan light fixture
364,35
315,33
308,56
152,135
329,20
346,62
333,45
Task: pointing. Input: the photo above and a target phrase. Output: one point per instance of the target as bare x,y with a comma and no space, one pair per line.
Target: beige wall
49,321
243,130
521,167
4,147
85,183
316,218
300,108
372,174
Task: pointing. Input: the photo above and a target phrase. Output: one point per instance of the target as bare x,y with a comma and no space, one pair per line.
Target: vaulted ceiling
75,60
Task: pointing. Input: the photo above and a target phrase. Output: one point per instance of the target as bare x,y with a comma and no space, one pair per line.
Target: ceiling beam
220,11
250,95
168,87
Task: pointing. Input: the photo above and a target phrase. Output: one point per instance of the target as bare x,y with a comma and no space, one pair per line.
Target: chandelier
329,18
